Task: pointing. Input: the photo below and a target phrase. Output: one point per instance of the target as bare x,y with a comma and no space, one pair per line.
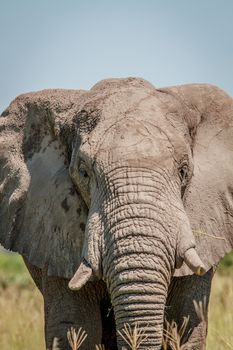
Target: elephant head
145,195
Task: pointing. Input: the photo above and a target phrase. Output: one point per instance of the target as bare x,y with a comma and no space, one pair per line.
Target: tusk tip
194,262
81,277
73,286
200,271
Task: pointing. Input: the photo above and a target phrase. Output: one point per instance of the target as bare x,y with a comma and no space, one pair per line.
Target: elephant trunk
137,266
141,304
143,238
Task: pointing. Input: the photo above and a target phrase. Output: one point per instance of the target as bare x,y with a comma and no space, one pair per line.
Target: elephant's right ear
208,199
41,215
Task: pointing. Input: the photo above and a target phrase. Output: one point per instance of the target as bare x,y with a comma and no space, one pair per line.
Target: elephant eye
82,181
183,174
82,170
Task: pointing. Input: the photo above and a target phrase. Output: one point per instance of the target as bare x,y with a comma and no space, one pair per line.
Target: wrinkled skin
125,190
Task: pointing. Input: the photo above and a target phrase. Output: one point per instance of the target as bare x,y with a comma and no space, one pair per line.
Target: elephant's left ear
41,215
208,199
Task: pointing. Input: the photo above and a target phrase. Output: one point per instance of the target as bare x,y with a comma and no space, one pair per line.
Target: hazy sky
75,43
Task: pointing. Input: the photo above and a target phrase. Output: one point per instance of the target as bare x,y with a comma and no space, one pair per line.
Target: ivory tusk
81,277
194,262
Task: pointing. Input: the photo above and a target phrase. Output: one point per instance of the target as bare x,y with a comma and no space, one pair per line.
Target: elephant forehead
135,139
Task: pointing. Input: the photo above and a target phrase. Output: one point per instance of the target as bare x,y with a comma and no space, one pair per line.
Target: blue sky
75,43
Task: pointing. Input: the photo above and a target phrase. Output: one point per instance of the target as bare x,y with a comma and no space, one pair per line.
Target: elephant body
120,201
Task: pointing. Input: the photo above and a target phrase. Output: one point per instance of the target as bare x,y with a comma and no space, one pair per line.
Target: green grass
21,307
226,264
13,271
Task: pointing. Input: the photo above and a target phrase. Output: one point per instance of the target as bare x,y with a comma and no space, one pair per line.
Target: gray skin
126,191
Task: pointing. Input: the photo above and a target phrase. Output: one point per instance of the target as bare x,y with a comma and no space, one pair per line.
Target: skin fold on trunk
137,266
139,249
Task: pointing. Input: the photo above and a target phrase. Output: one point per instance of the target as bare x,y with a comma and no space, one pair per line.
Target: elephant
119,199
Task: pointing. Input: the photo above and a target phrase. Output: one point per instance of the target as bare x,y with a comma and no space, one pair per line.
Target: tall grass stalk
133,336
173,335
100,347
76,337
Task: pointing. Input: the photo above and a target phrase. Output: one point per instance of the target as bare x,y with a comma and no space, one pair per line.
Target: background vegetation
21,307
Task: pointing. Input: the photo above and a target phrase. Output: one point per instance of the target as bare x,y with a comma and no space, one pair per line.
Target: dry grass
100,347
220,335
21,309
133,336
21,324
173,335
76,337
